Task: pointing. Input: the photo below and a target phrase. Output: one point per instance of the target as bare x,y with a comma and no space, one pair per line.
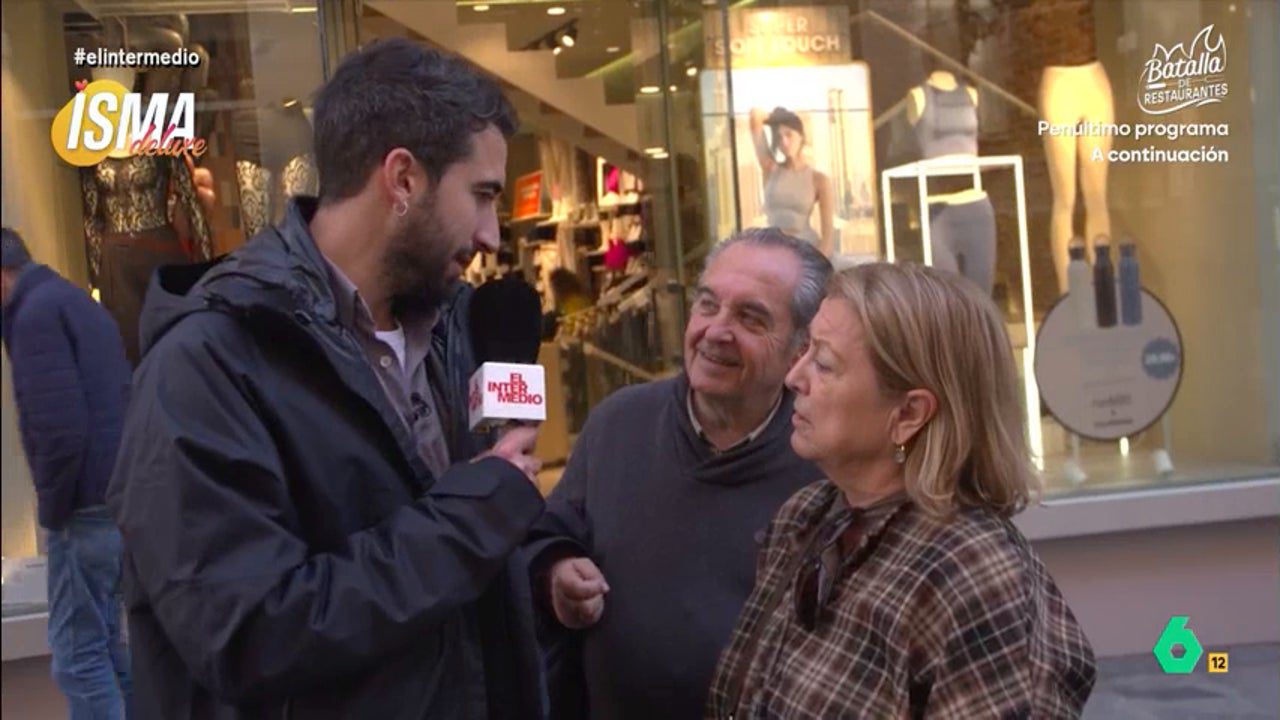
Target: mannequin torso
944,115
940,80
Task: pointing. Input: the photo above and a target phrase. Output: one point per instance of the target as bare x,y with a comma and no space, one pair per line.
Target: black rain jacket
288,554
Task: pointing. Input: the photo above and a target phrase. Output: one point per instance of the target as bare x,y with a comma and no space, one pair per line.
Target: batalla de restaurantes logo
1180,77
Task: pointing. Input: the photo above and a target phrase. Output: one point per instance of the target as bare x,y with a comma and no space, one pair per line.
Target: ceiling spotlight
691,71
555,10
613,49
570,37
557,50
660,156
672,88
650,90
655,150
480,8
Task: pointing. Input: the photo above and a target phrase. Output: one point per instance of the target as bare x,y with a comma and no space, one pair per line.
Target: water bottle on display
1104,282
1080,285
1130,285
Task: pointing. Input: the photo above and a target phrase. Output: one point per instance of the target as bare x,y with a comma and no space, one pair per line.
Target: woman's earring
900,454
401,207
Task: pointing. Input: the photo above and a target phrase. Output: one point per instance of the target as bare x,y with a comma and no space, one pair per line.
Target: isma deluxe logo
104,120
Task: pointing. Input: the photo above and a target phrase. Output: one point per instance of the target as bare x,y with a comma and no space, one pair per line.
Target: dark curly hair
395,93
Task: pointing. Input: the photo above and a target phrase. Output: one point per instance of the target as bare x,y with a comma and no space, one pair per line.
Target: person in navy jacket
71,386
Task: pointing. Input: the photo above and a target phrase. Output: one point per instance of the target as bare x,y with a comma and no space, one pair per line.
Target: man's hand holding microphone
516,447
509,388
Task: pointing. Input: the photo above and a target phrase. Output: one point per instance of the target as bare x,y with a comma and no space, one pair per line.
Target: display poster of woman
792,148
792,187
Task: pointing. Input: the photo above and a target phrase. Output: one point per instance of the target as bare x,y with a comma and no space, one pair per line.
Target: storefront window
1006,140
1106,171
106,222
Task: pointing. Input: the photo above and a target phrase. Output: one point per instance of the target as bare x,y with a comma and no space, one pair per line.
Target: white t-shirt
395,340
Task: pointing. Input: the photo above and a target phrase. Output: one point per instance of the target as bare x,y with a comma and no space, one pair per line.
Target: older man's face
738,341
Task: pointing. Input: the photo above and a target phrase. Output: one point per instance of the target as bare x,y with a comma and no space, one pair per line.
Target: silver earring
900,454
401,208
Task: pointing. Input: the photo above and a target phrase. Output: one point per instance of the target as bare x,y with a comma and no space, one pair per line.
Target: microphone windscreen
506,321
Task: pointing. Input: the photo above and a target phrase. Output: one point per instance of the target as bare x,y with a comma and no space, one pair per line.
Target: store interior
587,183
646,77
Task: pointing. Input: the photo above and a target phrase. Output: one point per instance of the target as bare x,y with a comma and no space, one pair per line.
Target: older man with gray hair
647,550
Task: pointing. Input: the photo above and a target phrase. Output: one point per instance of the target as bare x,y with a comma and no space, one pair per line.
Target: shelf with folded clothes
624,208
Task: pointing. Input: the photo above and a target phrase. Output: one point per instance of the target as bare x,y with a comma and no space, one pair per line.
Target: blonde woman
898,587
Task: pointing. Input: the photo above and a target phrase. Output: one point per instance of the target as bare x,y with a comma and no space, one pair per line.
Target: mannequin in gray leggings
963,240
962,227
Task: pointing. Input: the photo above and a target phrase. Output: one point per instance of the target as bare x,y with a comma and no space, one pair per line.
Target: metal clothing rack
921,171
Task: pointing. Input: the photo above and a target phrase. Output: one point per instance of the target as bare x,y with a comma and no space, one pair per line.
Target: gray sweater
674,528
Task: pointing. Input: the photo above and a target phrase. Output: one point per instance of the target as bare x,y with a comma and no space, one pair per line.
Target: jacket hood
280,270
29,277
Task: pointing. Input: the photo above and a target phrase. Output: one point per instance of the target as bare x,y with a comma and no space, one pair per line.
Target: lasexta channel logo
1178,651
1177,635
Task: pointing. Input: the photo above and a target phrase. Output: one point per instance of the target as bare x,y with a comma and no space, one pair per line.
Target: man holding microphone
309,528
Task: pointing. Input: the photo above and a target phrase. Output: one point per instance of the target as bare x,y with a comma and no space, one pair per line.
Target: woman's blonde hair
934,330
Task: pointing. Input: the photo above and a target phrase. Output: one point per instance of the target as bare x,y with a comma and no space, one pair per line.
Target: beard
416,268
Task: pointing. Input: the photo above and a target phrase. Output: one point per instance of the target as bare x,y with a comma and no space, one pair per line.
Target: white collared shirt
697,426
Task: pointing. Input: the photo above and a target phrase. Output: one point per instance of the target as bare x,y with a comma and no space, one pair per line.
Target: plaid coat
925,618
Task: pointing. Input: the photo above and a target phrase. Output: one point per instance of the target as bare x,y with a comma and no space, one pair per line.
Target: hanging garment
255,198
300,176
129,234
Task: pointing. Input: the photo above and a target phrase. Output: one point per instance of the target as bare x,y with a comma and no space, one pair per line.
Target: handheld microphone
506,333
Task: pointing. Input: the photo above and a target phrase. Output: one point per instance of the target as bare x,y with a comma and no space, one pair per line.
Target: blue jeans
90,661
